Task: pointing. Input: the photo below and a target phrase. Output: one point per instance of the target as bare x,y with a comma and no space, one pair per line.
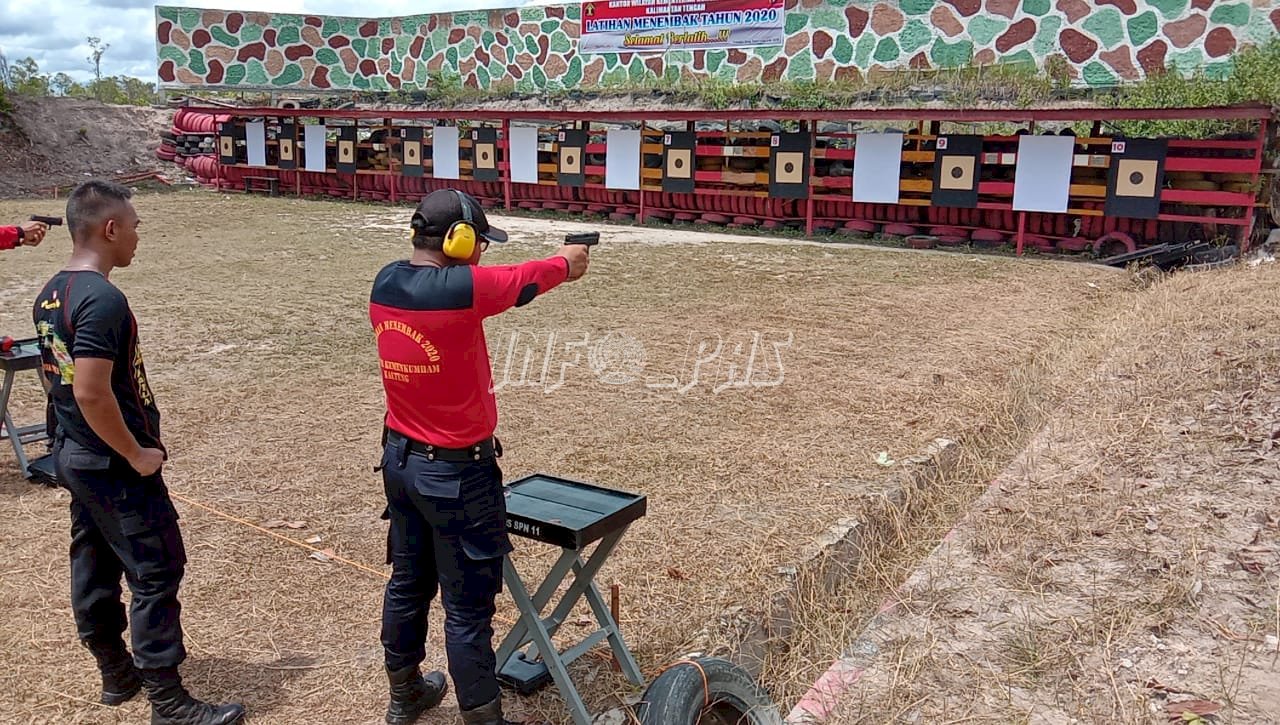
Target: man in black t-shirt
108,454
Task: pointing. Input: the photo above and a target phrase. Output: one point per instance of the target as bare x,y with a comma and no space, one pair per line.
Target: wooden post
1022,227
808,214
355,175
391,173
506,159
1259,152
640,217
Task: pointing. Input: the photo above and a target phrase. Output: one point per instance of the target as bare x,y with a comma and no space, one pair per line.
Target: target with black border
287,147
570,153
228,133
484,154
957,167
1136,177
346,160
411,151
679,149
789,165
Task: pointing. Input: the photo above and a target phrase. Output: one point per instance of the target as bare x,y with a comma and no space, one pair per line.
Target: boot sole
430,704
233,721
116,699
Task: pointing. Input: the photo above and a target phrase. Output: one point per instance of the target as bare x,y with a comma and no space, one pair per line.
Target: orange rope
301,544
282,537
706,687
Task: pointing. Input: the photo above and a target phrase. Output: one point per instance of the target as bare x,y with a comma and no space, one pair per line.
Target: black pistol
53,221
587,239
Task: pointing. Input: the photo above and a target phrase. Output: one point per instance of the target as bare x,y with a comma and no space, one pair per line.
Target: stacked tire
192,143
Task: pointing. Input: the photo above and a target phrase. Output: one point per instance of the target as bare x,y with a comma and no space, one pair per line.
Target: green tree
135,91
97,49
61,84
106,90
26,80
5,108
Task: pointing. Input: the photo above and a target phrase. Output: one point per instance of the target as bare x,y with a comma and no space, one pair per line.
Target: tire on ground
678,697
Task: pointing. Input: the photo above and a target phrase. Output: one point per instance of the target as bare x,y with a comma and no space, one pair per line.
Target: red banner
637,26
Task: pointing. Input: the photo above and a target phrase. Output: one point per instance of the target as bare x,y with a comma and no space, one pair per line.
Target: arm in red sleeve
8,237
498,289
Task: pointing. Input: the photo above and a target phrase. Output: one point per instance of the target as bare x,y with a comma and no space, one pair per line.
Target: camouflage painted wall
535,48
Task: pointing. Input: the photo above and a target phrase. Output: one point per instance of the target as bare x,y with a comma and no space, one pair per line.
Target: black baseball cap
440,209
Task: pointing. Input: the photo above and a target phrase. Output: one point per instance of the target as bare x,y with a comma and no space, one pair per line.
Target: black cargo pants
448,532
123,524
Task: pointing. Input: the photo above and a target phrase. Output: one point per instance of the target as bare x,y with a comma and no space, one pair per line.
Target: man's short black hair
434,244
92,202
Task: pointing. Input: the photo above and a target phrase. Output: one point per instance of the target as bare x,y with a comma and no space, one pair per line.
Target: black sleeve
101,324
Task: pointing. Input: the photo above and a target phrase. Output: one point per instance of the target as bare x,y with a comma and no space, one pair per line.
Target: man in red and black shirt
109,455
26,234
439,463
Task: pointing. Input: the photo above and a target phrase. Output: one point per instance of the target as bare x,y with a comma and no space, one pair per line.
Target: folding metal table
24,355
571,515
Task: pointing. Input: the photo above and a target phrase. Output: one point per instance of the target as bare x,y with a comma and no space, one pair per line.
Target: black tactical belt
487,448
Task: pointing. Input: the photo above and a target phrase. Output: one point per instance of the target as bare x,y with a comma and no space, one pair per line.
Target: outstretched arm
498,289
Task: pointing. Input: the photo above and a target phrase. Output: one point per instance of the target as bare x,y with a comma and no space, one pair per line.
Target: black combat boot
489,713
171,704
120,679
412,694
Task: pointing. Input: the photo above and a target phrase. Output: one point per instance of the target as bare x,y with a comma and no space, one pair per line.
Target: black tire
679,696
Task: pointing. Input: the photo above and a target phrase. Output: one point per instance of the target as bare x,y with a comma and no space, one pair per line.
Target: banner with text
638,26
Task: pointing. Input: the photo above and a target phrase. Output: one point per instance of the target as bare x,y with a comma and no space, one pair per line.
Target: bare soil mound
60,141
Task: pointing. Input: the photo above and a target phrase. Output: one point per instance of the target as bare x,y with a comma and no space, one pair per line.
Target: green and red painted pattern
1102,41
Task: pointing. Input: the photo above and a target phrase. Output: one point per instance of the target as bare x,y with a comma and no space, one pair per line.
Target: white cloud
54,32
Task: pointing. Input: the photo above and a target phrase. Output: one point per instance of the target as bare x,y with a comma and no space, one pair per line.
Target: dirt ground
253,321
1125,569
64,140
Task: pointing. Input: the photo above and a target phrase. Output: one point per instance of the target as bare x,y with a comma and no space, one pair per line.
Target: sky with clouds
54,32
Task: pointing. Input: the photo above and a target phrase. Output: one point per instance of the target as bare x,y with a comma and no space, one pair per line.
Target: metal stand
24,355
570,514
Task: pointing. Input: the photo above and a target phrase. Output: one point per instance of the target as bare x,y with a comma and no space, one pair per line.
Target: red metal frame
1254,111
809,200
1022,231
1259,150
738,192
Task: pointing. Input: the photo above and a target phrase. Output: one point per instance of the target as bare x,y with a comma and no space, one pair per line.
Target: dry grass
1126,565
252,314
831,621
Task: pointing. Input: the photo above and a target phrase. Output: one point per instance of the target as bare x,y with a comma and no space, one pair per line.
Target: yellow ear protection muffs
460,240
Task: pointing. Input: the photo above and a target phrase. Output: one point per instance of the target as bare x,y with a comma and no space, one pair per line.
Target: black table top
24,355
568,513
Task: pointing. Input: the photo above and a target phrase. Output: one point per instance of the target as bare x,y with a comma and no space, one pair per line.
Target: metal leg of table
625,659
519,634
11,431
537,631
583,576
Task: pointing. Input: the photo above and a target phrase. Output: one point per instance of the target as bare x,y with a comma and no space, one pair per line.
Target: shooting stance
439,464
26,234
108,455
